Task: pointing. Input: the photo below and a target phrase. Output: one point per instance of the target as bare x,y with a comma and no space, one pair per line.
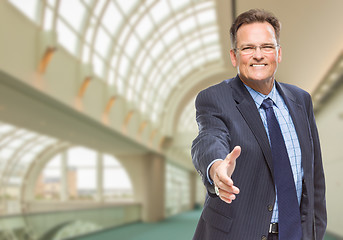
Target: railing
47,224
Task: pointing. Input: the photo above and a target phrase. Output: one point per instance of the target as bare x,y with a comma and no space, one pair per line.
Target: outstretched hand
221,172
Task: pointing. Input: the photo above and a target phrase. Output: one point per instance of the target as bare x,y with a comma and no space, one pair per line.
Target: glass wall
83,174
72,173
19,148
178,191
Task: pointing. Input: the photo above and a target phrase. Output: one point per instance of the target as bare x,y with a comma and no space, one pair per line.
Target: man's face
256,69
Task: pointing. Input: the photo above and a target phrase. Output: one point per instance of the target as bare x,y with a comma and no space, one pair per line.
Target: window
75,173
177,190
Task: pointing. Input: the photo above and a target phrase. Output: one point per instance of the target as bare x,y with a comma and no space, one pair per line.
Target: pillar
99,178
147,173
64,196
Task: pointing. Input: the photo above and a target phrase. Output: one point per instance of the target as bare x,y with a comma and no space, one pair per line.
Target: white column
64,178
99,178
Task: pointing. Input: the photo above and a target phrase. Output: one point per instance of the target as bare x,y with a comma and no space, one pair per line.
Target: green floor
180,227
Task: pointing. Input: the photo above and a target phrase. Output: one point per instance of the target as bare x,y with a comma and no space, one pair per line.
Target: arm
319,181
213,143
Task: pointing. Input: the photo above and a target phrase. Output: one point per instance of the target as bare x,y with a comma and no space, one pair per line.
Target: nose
258,53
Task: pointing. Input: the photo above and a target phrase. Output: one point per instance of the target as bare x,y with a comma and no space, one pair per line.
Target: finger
228,198
228,189
234,154
231,160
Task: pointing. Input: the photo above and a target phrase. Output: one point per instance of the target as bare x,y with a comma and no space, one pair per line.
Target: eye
268,47
247,48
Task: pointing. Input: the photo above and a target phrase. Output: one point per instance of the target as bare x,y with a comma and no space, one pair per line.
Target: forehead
256,33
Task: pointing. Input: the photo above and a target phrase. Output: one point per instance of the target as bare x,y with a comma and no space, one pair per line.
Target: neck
264,87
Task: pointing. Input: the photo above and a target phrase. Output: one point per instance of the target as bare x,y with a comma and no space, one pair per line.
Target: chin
262,78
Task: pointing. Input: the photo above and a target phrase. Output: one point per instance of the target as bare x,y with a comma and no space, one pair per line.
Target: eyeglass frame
261,47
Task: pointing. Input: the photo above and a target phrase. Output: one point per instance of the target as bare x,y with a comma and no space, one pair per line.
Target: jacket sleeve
319,180
213,139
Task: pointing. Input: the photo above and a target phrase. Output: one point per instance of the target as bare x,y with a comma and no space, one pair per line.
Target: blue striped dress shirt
289,135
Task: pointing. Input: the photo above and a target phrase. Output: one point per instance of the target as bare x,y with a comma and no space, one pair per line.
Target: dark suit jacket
227,117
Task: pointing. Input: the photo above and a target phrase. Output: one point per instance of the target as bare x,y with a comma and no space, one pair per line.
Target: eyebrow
263,44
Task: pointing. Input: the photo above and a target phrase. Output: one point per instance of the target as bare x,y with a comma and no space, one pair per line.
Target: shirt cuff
208,170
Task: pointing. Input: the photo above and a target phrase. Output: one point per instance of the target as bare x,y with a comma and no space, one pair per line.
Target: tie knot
267,103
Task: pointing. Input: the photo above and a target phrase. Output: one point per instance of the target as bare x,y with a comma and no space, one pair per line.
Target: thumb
231,160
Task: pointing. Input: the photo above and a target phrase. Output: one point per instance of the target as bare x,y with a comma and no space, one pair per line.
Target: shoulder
216,90
217,87
296,94
215,95
293,88
294,91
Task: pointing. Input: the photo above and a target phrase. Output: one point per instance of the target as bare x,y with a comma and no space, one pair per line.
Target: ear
279,55
233,58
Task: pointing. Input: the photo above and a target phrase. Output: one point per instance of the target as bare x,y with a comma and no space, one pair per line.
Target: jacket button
264,238
270,207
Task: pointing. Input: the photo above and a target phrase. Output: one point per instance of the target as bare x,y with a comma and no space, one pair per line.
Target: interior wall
330,126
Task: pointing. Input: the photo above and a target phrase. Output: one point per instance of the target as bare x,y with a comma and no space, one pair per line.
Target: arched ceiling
140,48
146,50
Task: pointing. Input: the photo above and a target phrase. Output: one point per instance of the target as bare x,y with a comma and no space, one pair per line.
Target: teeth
258,65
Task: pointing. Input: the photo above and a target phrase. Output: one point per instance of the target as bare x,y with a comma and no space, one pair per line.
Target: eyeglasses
249,50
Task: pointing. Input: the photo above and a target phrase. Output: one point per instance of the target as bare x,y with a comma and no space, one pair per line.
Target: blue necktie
288,207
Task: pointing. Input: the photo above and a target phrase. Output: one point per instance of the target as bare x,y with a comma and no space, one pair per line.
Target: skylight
142,48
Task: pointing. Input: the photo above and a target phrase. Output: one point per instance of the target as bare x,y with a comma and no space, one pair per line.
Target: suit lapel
300,122
247,108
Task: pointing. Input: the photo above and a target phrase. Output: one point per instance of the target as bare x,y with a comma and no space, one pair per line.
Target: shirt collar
259,97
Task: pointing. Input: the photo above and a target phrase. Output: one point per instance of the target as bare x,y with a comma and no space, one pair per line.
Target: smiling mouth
258,65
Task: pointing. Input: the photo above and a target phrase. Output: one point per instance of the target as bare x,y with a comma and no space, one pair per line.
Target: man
258,150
